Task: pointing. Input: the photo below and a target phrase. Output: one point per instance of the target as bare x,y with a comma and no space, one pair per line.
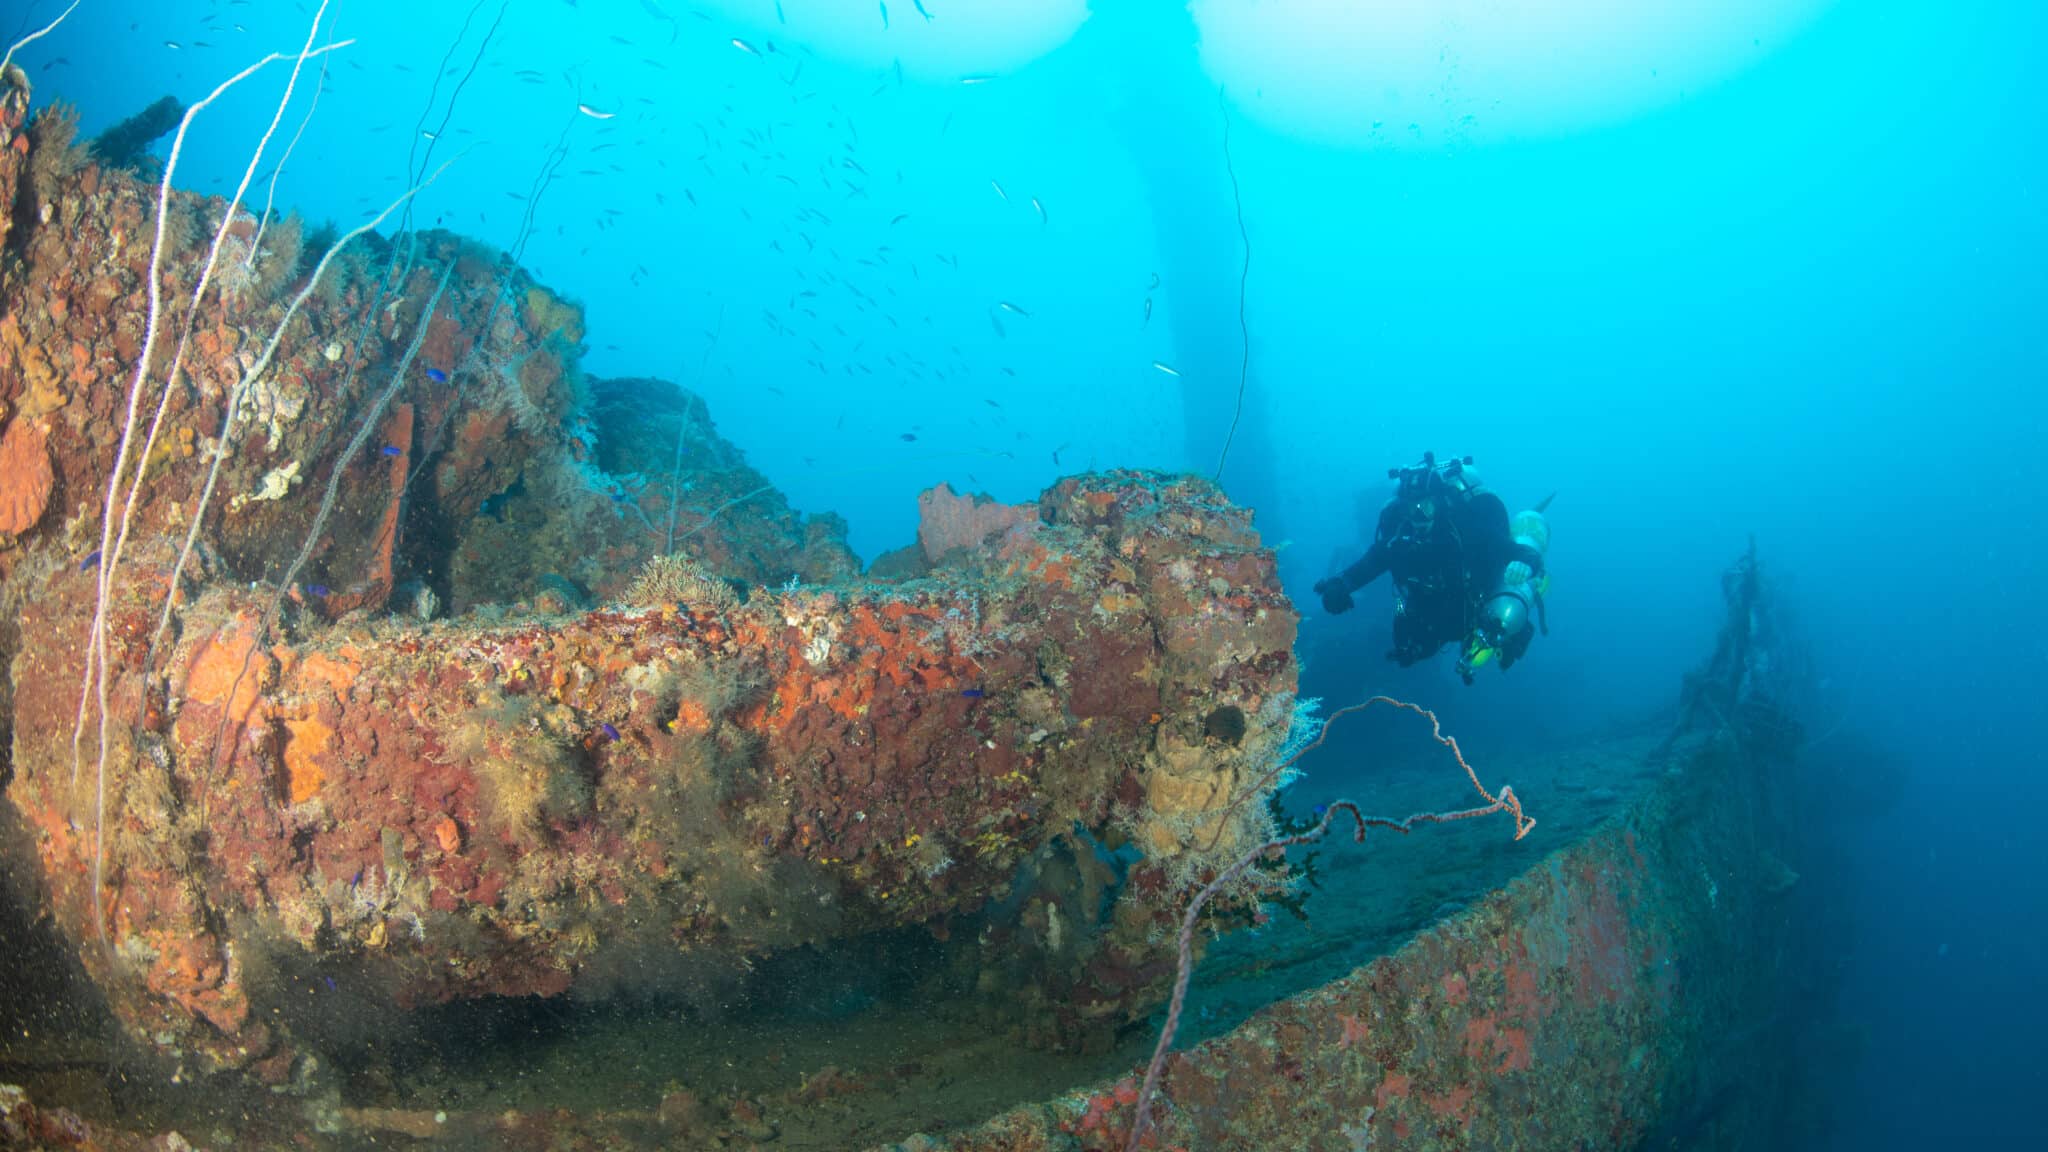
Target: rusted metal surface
1579,1007
467,808
1605,999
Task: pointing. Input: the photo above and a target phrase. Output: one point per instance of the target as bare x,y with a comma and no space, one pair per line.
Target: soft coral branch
1504,801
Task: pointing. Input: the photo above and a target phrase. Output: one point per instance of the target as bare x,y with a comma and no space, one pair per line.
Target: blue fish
393,450
610,733
779,17
319,590
86,565
919,5
437,376
885,15
971,693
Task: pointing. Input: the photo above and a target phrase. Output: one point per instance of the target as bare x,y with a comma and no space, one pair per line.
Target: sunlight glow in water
1401,73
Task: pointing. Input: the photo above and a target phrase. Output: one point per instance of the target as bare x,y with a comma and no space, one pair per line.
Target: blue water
1706,271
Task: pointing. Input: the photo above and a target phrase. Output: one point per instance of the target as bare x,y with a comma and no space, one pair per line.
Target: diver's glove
1517,572
1336,597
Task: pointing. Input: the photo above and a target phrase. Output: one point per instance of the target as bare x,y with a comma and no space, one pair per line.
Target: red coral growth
25,477
1488,1041
1455,988
1599,953
947,520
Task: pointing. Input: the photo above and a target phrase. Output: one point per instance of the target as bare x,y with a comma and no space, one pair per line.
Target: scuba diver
1462,570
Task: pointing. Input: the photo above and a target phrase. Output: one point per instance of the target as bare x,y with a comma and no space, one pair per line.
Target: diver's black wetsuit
1439,576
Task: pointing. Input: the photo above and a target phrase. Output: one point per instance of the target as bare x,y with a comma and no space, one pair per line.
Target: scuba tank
1503,616
1507,611
1531,529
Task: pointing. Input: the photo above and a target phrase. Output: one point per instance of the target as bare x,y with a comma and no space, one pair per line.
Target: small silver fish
1006,306
999,191
1169,369
743,46
593,113
1040,208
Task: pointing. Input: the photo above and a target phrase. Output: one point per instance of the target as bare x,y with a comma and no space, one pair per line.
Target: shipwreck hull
472,809
1610,997
673,724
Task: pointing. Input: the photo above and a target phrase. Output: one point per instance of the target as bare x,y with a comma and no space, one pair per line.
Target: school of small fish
724,158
